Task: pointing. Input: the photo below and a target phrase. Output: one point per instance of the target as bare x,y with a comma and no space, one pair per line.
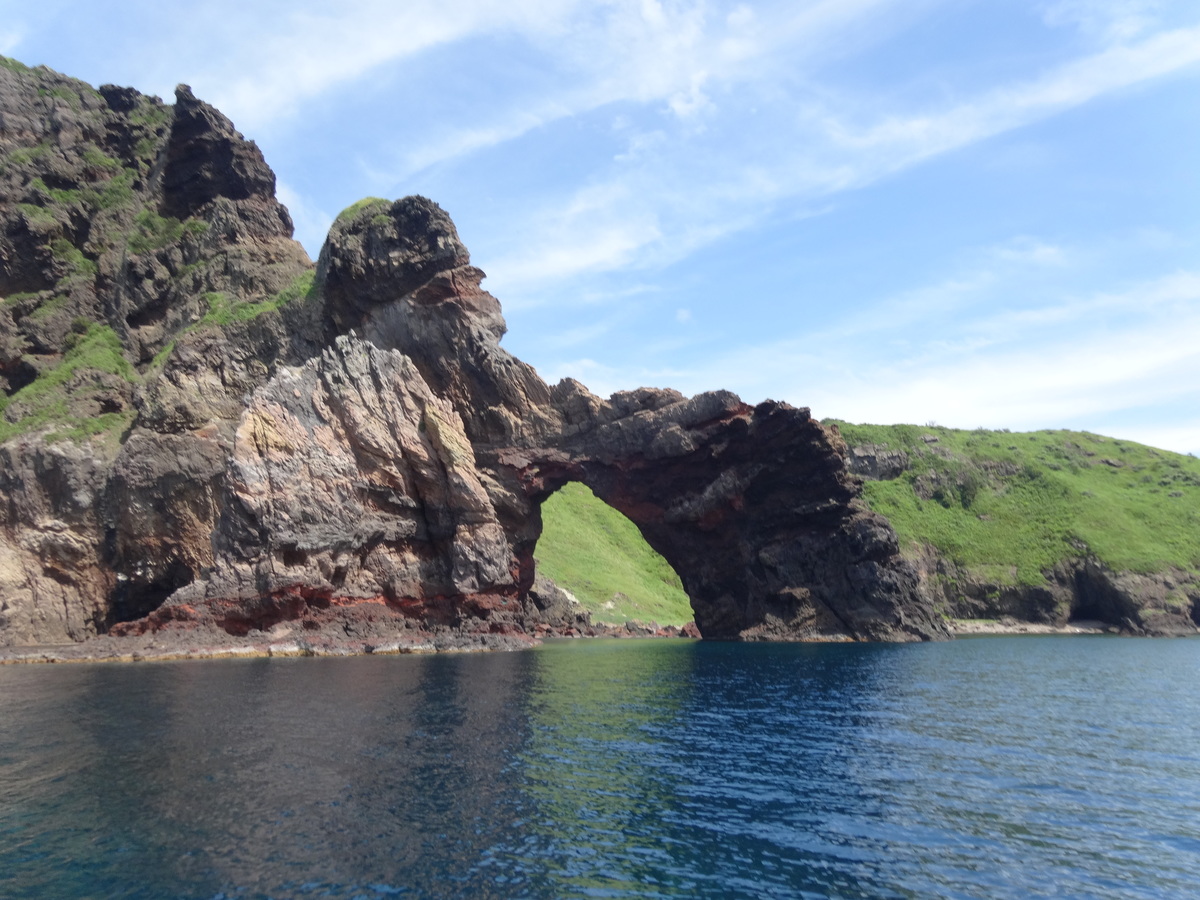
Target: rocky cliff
205,434
1044,528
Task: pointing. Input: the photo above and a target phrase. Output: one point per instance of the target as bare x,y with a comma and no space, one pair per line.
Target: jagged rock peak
241,463
378,251
208,158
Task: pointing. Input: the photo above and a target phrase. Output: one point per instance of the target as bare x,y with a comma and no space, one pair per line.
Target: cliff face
204,433
132,235
1042,528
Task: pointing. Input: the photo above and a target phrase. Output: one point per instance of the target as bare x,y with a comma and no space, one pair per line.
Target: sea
1008,767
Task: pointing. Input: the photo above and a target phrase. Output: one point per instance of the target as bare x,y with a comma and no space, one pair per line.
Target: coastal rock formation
987,504
1080,589
205,434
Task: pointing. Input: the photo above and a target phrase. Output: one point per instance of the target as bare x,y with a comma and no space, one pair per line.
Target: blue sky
972,212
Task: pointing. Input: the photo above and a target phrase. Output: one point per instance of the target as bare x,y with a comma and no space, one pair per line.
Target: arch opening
596,553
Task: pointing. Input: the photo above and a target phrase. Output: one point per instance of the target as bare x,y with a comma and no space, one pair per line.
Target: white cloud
1082,360
1110,20
312,224
1027,249
10,39
677,190
904,140
1182,438
309,52
683,316
697,164
590,234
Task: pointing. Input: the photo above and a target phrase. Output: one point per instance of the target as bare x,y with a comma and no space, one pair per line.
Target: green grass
15,65
39,216
151,114
23,156
61,196
161,357
79,265
222,310
62,93
152,231
1014,505
95,347
48,307
13,299
98,159
116,191
598,555
354,209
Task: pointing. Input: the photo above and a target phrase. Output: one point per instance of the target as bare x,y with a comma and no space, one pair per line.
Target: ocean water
998,767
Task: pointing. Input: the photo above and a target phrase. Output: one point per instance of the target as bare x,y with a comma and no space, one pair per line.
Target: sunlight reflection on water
1002,767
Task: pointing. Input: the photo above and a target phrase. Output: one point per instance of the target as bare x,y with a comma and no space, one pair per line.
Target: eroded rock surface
1080,585
207,435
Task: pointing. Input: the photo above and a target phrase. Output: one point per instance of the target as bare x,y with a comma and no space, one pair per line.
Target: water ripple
987,768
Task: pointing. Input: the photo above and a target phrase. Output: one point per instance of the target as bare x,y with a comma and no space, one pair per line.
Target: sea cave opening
597,554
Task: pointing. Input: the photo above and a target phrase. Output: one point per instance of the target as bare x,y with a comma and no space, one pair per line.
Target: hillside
1020,524
598,555
1045,527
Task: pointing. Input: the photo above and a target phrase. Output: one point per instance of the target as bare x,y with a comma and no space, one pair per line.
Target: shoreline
167,646
160,648
1008,626
156,649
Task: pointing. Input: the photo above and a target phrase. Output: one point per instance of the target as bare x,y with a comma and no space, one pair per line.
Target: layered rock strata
204,434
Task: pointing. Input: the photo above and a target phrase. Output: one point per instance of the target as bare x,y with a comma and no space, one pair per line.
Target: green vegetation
38,216
13,299
224,311
55,195
44,401
117,191
161,357
13,65
152,231
23,156
79,265
77,430
97,159
47,307
62,93
354,209
598,555
151,113
1013,505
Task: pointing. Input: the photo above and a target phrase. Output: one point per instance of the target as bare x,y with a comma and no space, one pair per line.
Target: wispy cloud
10,39
1110,20
1027,249
729,109
906,139
312,224
678,190
1072,360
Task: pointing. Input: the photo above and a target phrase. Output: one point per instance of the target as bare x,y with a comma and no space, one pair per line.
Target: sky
975,213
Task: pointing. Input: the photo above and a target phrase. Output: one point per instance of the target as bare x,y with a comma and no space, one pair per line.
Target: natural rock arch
603,561
364,452
751,506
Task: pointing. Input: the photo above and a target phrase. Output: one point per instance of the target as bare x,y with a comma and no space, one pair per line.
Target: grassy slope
1012,505
598,555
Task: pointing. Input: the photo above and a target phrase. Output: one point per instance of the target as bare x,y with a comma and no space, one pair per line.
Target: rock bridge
753,506
349,450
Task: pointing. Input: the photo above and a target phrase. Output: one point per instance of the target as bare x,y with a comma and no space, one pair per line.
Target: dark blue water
1002,767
